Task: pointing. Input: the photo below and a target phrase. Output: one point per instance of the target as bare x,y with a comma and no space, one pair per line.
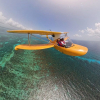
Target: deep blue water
47,74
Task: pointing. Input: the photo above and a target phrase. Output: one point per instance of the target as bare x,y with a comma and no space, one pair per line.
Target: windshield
68,42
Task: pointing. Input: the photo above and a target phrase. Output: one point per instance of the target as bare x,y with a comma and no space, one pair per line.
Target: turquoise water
47,74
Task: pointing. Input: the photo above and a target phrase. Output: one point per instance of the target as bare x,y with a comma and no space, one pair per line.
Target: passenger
59,42
63,42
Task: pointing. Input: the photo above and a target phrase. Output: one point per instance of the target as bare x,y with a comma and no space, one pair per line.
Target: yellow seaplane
70,49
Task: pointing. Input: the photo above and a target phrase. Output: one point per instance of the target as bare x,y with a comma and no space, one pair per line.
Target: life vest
60,44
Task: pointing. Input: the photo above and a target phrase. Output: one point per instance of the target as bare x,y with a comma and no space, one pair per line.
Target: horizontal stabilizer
34,47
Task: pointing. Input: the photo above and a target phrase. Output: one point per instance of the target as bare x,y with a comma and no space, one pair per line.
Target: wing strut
48,38
38,38
28,39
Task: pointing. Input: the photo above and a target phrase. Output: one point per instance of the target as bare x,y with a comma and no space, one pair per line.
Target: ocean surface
47,74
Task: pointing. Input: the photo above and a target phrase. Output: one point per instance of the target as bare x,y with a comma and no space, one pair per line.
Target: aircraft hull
76,50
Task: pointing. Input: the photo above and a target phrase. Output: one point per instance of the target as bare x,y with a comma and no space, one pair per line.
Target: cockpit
65,41
68,42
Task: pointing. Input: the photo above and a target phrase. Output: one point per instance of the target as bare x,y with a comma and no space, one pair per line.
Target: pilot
63,42
59,42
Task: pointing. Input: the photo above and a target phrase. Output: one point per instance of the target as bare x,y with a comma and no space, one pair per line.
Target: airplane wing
34,47
41,32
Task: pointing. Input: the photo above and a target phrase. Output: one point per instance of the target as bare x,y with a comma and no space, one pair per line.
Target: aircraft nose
83,50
